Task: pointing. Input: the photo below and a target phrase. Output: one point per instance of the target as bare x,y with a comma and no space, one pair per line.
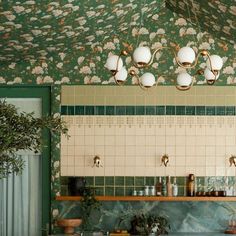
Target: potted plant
149,225
22,131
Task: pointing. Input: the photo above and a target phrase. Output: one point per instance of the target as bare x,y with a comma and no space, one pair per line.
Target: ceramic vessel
69,224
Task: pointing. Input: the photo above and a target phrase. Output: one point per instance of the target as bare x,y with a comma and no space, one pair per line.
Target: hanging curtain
20,200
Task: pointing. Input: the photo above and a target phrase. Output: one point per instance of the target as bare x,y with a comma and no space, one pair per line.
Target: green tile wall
149,110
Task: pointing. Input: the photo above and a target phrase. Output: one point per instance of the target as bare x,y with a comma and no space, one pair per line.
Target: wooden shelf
154,198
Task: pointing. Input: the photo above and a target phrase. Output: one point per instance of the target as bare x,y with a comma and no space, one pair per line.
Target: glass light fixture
185,58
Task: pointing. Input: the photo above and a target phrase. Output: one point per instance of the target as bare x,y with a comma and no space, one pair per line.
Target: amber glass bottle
191,185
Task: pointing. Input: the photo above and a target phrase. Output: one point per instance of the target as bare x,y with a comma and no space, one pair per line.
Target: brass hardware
97,161
232,160
164,160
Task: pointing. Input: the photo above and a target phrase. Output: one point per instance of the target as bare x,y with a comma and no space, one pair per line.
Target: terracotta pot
69,224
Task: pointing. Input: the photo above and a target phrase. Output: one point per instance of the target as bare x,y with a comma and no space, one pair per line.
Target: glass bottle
164,191
191,185
159,187
175,188
169,187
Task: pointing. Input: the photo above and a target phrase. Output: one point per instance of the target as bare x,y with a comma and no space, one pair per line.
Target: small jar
152,191
134,193
140,193
146,191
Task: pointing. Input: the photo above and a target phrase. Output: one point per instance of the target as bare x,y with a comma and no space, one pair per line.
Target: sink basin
69,224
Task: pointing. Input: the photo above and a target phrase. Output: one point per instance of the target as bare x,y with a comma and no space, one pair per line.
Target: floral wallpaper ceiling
68,41
215,16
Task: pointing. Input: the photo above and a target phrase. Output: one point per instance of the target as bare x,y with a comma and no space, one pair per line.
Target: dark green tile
79,110
130,110
64,180
89,110
201,110
63,110
99,191
89,180
120,180
150,181
180,110
119,191
220,111
160,110
129,191
64,190
139,181
170,110
99,110
230,111
109,191
71,110
210,111
181,191
99,181
181,181
109,180
110,110
140,110
150,110
129,181
190,110
120,110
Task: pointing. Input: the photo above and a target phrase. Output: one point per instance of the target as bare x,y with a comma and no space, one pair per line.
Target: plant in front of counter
149,225
88,204
22,131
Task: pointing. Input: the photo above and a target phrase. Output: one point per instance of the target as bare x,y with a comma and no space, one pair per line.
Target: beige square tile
180,140
220,171
200,171
140,161
64,171
170,171
71,151
200,150
129,171
200,161
150,162
89,171
140,171
70,171
150,151
210,161
70,160
130,161
210,171
79,150
180,161
190,170
110,171
64,161
79,161
150,171
210,150
230,171
180,171
109,161
140,151
119,161
119,171
79,171
99,171
220,150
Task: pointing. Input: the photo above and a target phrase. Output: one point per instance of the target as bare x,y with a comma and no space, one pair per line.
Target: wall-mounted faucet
164,160
97,161
232,160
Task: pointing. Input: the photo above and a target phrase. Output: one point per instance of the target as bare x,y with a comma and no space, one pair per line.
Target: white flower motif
37,70
228,70
161,80
109,45
156,45
179,70
2,28
56,164
70,33
155,17
211,40
9,15
92,65
18,9
119,12
47,79
2,80
12,65
62,55
90,13
233,10
161,31
163,41
57,12
33,18
143,31
191,31
17,80
181,22
182,32
55,213
65,80
95,79
85,70
39,80
86,80
80,60
59,65
44,65
152,35
134,32
205,45
36,32
155,65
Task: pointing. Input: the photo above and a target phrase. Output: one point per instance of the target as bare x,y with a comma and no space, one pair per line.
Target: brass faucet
164,160
232,160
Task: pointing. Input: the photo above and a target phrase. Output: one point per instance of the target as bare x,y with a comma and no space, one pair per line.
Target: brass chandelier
186,58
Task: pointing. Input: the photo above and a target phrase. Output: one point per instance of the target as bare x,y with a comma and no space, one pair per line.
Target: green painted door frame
45,94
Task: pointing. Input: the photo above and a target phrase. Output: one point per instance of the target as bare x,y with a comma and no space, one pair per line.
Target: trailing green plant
146,224
88,204
22,131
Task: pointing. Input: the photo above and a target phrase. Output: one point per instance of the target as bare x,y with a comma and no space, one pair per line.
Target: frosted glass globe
184,79
121,75
142,55
111,63
209,75
216,62
147,79
186,55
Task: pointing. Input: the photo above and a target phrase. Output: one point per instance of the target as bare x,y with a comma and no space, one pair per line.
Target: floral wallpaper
68,41
216,17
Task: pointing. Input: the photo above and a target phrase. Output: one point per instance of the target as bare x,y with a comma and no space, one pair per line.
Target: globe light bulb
121,75
114,63
184,79
186,56
214,63
142,56
147,80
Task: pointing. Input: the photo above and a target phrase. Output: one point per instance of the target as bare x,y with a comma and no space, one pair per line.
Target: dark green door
44,94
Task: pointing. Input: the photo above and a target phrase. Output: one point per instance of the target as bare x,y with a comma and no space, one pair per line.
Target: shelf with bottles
151,198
